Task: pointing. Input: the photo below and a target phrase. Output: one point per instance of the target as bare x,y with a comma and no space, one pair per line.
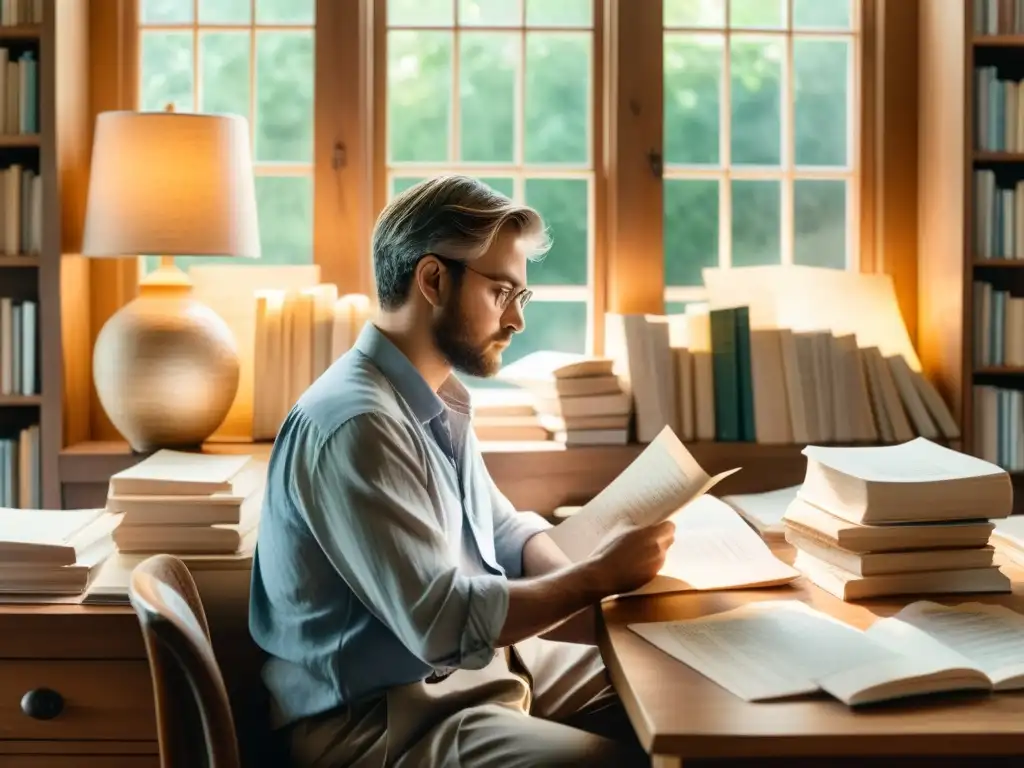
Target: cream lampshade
170,184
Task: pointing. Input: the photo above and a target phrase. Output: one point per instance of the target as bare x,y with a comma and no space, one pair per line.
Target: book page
657,483
715,549
991,637
766,650
919,460
764,510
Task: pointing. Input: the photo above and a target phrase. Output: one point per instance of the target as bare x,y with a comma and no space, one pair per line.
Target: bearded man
407,609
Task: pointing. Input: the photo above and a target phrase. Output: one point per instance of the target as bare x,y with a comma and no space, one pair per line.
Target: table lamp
171,184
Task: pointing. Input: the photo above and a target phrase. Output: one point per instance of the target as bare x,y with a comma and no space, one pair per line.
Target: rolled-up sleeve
368,506
512,529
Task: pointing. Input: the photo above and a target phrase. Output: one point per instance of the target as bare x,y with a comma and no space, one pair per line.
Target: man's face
476,324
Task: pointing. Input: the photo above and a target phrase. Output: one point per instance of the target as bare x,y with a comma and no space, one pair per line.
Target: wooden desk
93,656
680,715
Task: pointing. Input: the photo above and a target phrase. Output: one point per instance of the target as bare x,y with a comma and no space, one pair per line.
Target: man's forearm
537,604
542,556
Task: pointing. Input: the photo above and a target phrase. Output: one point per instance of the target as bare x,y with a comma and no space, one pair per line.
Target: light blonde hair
455,217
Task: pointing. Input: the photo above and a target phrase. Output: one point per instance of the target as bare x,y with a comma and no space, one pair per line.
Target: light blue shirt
384,546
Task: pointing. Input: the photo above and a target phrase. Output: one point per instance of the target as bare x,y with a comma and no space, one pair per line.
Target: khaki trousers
542,703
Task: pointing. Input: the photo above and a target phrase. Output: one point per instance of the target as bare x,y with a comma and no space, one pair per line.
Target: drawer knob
42,704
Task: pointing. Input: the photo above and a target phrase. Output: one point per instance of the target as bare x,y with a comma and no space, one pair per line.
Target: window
503,90
252,58
760,117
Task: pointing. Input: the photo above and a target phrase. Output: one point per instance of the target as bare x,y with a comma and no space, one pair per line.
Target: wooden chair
195,725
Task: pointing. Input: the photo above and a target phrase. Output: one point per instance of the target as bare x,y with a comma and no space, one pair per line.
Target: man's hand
630,557
624,561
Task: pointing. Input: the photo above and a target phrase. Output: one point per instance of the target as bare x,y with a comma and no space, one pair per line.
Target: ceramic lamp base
165,366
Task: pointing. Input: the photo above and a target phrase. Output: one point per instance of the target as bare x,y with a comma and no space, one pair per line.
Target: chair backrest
194,720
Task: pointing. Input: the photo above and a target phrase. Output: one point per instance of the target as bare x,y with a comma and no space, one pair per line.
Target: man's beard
461,353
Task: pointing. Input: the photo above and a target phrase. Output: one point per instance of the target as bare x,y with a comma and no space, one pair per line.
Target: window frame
788,172
627,272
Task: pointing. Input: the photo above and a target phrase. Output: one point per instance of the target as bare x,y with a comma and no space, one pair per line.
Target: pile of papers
179,502
1008,539
52,552
913,518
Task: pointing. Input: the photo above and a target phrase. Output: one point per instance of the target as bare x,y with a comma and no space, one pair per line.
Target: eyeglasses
505,295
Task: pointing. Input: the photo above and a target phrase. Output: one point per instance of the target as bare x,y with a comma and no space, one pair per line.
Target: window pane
224,62
493,13
420,13
285,208
502,185
165,11
678,307
505,186
756,223
560,13
821,81
819,208
225,11
557,97
401,183
554,325
166,76
821,14
284,91
694,13
487,83
691,229
563,204
693,77
764,14
419,95
756,82
285,12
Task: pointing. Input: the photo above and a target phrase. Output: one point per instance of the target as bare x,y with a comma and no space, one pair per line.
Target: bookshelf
43,140
971,223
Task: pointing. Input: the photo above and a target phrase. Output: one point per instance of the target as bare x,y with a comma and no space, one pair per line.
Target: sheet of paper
663,478
917,460
991,637
766,650
764,510
715,549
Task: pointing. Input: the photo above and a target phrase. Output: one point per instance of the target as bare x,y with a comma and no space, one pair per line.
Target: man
400,597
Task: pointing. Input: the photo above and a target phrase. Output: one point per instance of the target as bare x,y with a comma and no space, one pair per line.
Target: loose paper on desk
776,649
715,549
662,479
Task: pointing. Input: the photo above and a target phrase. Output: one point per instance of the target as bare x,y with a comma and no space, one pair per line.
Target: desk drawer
104,700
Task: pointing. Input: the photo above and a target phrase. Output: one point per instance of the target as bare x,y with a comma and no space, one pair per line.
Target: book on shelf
578,399
997,17
16,13
52,552
913,518
19,344
19,91
298,335
20,484
780,649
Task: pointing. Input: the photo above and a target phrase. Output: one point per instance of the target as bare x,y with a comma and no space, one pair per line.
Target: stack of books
52,552
579,399
187,503
1008,539
914,518
501,415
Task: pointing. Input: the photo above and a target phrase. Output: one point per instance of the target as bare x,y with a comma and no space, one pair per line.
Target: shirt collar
409,382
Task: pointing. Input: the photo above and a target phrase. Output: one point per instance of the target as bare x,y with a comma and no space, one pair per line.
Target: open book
658,482
783,648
